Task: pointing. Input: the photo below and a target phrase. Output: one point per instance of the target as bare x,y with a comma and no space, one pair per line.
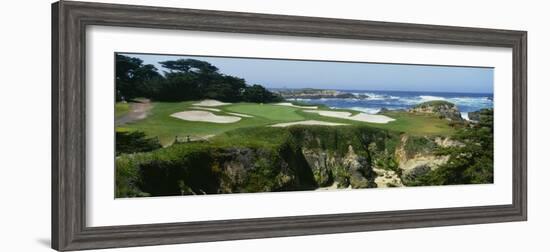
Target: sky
275,73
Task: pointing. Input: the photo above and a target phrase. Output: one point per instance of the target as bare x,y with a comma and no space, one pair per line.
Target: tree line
186,79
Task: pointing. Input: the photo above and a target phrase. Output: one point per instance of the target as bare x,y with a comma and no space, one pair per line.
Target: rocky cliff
416,156
310,158
348,170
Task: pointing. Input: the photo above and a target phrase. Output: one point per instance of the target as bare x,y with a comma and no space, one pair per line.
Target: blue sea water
376,100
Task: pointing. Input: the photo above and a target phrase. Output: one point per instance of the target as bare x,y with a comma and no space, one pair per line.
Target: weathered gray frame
69,20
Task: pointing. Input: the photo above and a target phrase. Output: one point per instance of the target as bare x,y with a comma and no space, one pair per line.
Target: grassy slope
121,109
417,124
160,123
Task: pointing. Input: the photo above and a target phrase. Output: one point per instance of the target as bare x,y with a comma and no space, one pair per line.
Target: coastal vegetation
470,162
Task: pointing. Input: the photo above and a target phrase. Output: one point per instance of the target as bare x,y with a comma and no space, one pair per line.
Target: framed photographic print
178,125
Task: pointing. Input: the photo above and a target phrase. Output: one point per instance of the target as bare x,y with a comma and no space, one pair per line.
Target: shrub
135,141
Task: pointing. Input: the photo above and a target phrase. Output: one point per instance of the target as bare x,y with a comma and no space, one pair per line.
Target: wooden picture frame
69,20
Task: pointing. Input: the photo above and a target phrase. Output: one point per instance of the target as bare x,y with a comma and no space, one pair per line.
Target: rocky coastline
310,93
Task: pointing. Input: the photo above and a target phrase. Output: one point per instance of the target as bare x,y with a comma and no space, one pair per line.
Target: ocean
392,100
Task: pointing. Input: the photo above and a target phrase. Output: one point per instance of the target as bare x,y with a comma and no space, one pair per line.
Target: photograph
222,127
201,125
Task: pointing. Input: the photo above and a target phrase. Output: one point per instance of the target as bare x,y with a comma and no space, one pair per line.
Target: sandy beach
332,187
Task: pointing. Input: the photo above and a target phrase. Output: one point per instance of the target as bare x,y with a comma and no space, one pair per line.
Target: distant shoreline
383,91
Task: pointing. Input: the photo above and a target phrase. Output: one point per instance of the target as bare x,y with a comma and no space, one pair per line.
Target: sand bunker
308,122
337,114
288,104
362,117
237,114
372,118
211,103
219,110
204,116
209,109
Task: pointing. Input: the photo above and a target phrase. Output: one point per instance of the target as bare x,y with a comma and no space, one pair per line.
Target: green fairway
417,124
271,113
159,123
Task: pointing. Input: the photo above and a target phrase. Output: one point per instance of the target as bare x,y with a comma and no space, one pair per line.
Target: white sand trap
209,109
288,104
308,122
237,114
204,116
337,114
210,103
362,117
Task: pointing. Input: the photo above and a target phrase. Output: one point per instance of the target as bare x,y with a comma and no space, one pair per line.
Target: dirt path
138,111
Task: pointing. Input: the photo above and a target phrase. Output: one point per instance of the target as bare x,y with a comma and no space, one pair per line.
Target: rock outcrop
348,170
422,160
442,109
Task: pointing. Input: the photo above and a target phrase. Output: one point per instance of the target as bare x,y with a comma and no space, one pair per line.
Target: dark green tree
135,141
225,88
133,77
186,79
189,66
178,87
257,93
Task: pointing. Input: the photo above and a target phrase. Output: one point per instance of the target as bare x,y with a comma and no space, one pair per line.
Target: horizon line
374,90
